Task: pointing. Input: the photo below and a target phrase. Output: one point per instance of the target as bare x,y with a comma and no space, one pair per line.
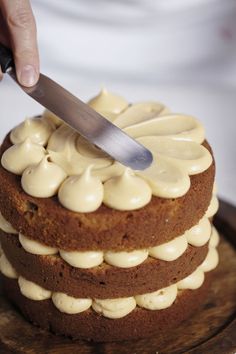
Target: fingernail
28,76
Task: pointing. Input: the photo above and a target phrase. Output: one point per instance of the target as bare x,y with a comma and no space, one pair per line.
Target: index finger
20,21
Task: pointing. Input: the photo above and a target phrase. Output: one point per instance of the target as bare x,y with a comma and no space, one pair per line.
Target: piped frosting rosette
54,159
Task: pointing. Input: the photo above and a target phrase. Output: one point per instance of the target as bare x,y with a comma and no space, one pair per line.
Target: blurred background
181,52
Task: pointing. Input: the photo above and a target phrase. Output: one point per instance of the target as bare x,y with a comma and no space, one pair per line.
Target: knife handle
6,58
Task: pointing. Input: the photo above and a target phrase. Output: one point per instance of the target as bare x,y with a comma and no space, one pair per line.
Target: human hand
18,32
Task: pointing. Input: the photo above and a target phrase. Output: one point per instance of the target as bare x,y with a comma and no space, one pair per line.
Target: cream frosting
193,281
174,139
128,190
117,308
215,188
51,118
188,155
6,226
51,174
168,251
140,112
158,300
196,279
166,178
82,193
215,238
83,260
126,259
213,207
211,261
33,291
74,154
35,247
171,250
199,234
38,130
6,267
177,126
114,308
18,157
69,304
108,104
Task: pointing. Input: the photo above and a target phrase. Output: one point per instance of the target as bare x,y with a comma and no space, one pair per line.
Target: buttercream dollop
213,207
37,129
126,192
18,157
82,260
199,234
43,179
158,300
108,104
35,247
69,304
114,308
193,281
83,193
6,267
33,291
6,226
126,259
171,250
215,238
211,261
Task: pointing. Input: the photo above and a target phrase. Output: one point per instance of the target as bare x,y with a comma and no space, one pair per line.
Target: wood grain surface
211,330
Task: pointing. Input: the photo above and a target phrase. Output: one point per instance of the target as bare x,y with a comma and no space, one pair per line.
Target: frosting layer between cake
197,236
116,308
89,325
104,281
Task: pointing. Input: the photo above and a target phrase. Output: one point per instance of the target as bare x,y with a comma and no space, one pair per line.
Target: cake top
54,159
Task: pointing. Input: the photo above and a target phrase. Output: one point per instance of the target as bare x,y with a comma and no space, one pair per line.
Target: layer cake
94,250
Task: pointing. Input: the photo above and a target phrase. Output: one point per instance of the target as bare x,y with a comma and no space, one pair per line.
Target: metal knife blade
90,124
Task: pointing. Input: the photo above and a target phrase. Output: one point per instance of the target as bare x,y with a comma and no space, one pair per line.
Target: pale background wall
182,52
